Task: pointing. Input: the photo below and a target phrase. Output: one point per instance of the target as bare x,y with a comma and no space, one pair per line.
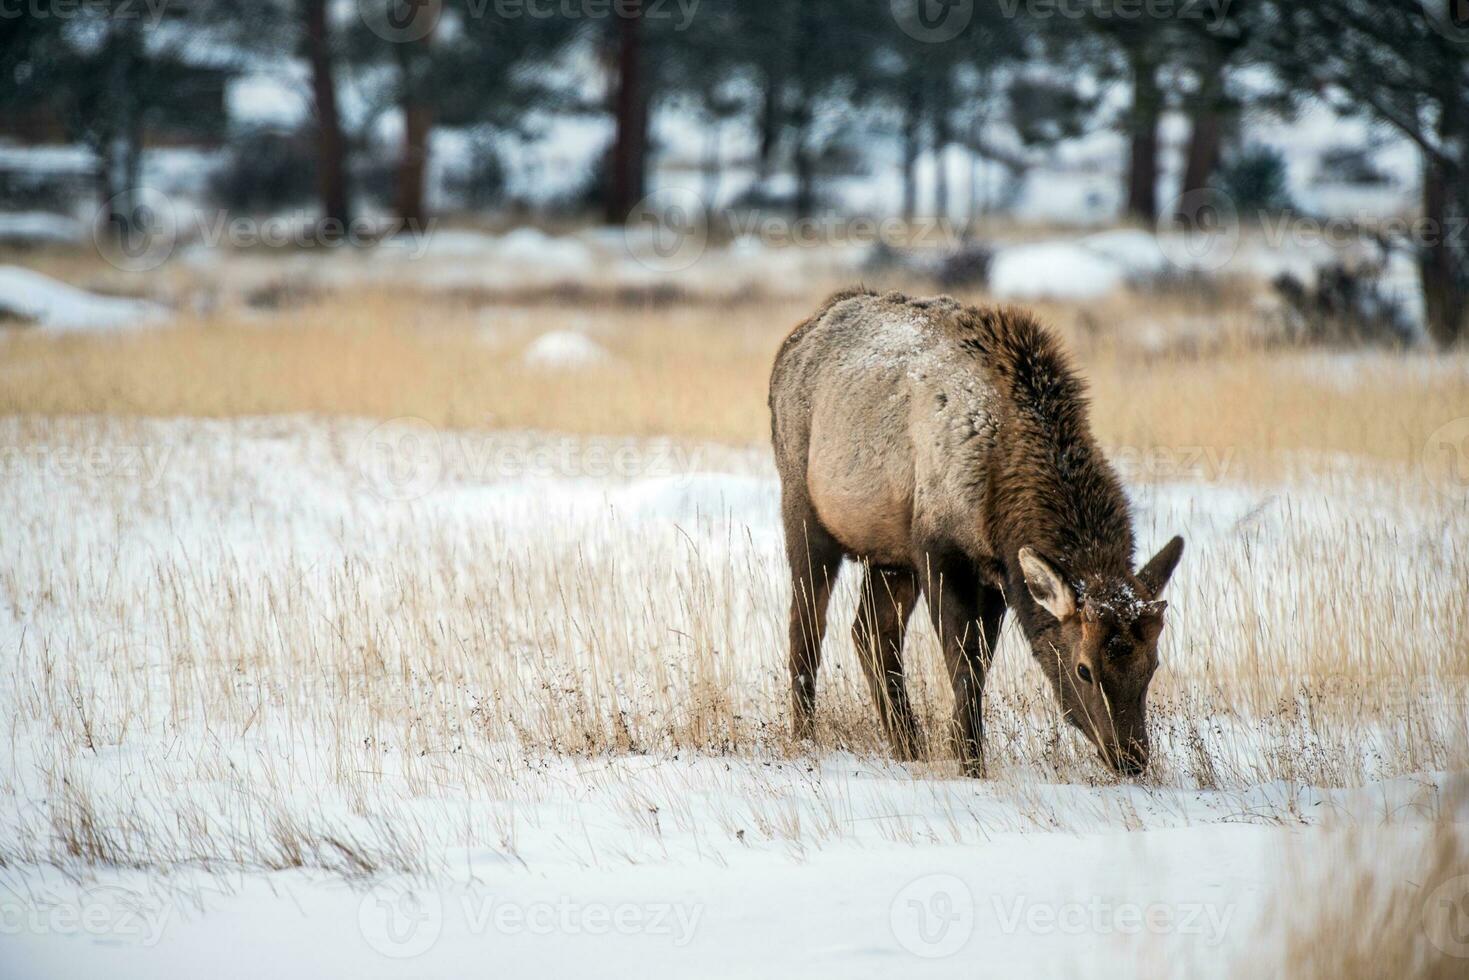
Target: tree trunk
805,202
912,119
106,174
941,140
629,151
118,135
978,186
713,164
769,124
1142,129
1444,295
417,123
331,146
414,62
1206,131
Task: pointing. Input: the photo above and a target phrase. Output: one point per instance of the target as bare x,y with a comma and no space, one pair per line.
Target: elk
947,449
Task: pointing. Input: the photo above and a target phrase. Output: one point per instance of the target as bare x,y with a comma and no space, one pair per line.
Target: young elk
947,449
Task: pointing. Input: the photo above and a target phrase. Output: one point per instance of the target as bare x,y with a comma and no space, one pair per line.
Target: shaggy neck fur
1053,490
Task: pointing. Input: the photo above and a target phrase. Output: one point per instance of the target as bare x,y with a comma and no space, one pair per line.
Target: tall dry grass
698,370
257,660
1367,908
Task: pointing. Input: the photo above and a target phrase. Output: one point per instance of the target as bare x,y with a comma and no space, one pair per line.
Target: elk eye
1084,673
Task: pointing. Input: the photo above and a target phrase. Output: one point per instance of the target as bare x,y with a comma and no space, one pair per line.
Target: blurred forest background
994,114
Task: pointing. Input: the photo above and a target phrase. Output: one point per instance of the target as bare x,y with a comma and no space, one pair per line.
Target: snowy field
413,601
383,699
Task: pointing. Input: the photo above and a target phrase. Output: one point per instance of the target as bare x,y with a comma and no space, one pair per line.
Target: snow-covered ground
1189,902
328,693
33,299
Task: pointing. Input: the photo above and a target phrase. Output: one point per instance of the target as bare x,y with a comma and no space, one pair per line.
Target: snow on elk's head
1100,648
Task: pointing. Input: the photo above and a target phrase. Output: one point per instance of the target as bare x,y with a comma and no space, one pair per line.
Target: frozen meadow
382,697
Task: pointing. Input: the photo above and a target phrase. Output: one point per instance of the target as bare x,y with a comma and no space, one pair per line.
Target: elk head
1100,649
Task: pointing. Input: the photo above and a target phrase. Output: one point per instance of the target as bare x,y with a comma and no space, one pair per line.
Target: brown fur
945,447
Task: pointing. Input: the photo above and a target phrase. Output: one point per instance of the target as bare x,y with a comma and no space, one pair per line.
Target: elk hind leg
885,601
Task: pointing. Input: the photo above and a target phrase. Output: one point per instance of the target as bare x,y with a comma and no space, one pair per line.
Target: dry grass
678,372
1376,908
698,370
254,661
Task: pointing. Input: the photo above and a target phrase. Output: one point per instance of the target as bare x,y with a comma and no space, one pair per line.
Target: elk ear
1046,587
1150,622
1156,573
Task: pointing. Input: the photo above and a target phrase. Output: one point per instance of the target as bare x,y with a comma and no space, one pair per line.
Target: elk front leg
885,601
952,589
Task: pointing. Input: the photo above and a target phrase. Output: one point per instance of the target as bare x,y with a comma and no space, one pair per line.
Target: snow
531,246
39,227
1089,265
565,349
465,255
281,99
1015,905
1056,269
56,307
1139,252
840,865
747,863
75,161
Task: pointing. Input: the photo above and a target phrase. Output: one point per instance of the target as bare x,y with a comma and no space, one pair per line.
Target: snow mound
453,243
54,306
565,349
517,251
534,247
1080,268
1060,270
39,228
1137,251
